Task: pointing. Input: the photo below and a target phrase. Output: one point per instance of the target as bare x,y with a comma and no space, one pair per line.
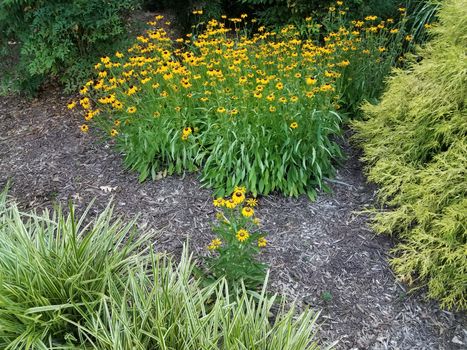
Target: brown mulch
321,253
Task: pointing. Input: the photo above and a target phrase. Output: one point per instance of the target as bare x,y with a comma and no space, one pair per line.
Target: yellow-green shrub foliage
415,146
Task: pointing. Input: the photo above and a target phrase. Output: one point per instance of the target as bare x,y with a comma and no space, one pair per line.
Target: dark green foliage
415,143
59,39
279,12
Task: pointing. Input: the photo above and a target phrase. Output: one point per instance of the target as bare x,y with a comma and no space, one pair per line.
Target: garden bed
320,253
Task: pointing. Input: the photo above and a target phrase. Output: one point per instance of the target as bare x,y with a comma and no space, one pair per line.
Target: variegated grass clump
68,282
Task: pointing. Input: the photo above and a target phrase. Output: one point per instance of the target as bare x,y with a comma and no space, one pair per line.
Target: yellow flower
394,31
230,203
238,197
257,94
310,81
294,99
83,90
326,87
279,86
132,90
113,132
409,38
71,105
156,114
84,128
272,109
215,244
248,212
252,202
187,131
117,122
294,125
298,75
242,235
221,110
131,110
85,103
262,242
218,202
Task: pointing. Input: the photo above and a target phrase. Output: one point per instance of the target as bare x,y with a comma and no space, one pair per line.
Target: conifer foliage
415,146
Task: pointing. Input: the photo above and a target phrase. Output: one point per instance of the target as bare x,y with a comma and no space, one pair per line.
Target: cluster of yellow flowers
268,72
229,69
175,103
245,206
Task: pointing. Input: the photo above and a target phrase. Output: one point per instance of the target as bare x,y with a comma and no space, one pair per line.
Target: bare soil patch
321,253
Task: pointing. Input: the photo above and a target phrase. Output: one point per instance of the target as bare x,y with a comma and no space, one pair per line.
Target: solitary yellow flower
294,125
187,131
242,235
215,243
71,105
248,212
310,81
262,242
113,132
218,202
252,202
230,203
131,110
238,197
84,128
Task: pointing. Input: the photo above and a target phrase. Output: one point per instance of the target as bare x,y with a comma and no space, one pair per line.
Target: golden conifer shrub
415,147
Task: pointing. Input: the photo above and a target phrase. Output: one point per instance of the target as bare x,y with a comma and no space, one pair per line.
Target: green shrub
92,283
280,12
59,39
415,145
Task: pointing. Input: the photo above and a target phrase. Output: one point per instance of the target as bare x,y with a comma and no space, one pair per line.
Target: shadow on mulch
321,253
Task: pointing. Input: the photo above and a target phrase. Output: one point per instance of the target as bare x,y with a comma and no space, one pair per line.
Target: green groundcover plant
68,282
415,146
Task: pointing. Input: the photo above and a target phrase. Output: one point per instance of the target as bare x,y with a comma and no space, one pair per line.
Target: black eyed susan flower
248,212
293,125
242,235
113,132
84,128
230,204
252,202
215,244
262,242
238,197
218,202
